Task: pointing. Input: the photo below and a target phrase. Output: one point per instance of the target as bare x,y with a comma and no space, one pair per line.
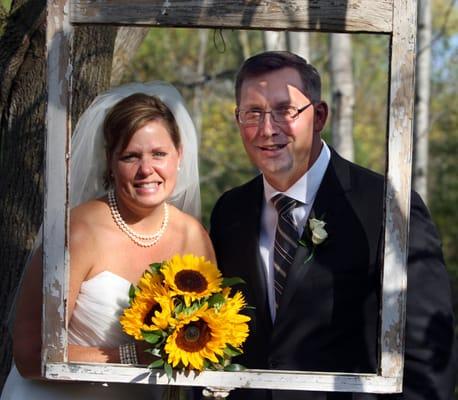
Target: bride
134,184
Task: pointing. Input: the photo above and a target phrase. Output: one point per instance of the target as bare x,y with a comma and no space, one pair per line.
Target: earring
178,168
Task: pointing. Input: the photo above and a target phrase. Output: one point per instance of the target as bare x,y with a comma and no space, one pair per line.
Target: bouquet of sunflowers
184,310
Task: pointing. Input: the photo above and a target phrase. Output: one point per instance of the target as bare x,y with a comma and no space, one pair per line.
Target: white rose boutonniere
315,235
319,234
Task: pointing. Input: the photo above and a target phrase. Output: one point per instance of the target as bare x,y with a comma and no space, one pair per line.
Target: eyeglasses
281,115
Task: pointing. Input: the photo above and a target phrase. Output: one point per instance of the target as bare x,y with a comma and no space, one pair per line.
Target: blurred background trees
202,64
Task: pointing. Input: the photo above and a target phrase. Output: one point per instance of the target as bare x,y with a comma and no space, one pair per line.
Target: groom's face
283,151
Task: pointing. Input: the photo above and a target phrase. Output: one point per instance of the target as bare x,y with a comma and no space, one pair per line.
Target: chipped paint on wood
325,15
397,202
254,379
55,245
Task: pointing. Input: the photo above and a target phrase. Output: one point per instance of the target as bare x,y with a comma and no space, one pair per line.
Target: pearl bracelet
128,353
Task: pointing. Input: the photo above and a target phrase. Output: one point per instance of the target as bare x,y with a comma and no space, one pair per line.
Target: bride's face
145,172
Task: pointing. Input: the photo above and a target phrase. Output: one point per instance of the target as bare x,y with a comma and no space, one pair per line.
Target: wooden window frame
396,18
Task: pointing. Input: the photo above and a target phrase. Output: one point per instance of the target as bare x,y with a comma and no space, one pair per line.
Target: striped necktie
286,237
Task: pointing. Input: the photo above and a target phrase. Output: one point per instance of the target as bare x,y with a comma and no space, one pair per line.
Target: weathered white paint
398,175
55,245
283,380
325,15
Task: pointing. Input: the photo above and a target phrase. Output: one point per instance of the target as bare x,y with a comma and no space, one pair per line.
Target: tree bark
274,40
23,95
245,45
343,94
422,98
128,40
298,42
200,73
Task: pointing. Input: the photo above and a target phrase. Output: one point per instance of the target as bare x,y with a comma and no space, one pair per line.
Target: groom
319,310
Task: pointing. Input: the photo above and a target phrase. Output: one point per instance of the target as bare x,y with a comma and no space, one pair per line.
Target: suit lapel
336,181
250,221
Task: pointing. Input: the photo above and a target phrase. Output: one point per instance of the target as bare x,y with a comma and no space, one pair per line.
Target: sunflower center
150,314
191,281
194,336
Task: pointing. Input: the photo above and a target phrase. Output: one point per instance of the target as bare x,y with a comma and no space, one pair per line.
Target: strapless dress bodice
95,317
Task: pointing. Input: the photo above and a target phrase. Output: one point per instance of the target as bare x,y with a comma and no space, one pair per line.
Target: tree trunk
422,86
245,45
22,114
343,94
274,40
200,73
128,40
298,42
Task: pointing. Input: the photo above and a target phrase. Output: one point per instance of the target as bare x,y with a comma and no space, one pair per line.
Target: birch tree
274,40
343,94
298,42
422,99
200,74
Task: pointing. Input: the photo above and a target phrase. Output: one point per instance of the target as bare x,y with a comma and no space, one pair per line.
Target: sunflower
148,280
192,277
230,311
196,337
150,310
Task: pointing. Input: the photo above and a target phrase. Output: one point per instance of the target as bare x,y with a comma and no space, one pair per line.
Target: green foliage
443,168
235,368
5,6
227,282
152,337
156,364
445,17
443,144
223,162
216,300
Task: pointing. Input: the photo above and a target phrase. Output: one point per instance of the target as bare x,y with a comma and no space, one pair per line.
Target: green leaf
156,364
178,307
155,352
232,351
235,368
302,242
195,305
132,293
227,282
216,300
155,268
310,256
152,337
168,370
208,365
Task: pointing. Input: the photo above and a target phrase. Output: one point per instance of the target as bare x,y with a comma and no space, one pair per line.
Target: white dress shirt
304,190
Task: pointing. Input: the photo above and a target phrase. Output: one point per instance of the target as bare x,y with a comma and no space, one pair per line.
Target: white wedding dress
95,322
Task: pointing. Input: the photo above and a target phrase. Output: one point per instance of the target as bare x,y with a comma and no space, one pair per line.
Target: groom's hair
128,116
270,61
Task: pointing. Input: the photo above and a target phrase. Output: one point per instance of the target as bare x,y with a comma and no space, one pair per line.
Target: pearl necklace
137,238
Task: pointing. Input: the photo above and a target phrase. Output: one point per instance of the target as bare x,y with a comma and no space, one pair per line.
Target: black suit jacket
328,316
